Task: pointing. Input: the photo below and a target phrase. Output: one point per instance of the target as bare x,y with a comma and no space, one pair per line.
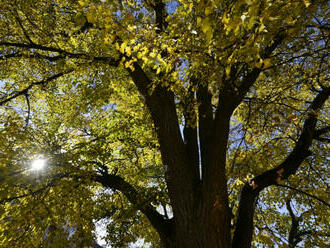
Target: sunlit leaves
92,118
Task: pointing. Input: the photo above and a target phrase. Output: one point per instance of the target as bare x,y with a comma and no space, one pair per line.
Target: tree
185,123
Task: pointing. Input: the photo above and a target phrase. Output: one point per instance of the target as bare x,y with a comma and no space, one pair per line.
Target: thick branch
301,150
244,224
161,105
235,88
250,78
159,9
180,177
293,234
115,182
38,47
190,133
205,117
63,53
230,96
244,229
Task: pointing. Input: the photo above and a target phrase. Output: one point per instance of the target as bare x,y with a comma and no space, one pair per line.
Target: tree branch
159,8
63,53
190,133
39,47
35,192
244,225
295,236
160,102
18,19
28,110
26,90
305,193
294,239
205,117
320,132
232,94
7,56
157,220
300,151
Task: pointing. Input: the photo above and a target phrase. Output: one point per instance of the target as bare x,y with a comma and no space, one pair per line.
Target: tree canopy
173,123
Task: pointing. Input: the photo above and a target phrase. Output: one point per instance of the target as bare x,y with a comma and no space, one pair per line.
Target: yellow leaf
122,47
249,2
82,3
259,64
127,64
208,11
80,19
128,51
91,18
206,26
262,28
191,5
239,182
228,69
175,75
267,63
307,3
225,19
132,67
130,27
136,48
199,20
117,46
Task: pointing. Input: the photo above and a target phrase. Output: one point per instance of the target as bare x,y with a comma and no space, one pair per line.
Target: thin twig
26,90
305,193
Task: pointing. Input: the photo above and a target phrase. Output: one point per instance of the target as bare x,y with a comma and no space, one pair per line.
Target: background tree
185,123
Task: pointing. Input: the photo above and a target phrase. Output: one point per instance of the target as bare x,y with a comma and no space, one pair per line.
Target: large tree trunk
195,232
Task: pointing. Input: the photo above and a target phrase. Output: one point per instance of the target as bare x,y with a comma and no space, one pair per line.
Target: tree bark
244,226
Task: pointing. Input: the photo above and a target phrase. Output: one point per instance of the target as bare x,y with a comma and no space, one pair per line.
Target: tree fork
244,226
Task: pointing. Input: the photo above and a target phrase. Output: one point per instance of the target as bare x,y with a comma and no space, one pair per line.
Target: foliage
89,85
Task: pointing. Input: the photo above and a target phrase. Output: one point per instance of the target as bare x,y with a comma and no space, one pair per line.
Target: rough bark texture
244,225
198,208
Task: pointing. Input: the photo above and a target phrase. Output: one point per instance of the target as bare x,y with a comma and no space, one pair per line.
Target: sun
38,164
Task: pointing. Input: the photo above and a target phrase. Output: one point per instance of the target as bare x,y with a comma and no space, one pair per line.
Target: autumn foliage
177,124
